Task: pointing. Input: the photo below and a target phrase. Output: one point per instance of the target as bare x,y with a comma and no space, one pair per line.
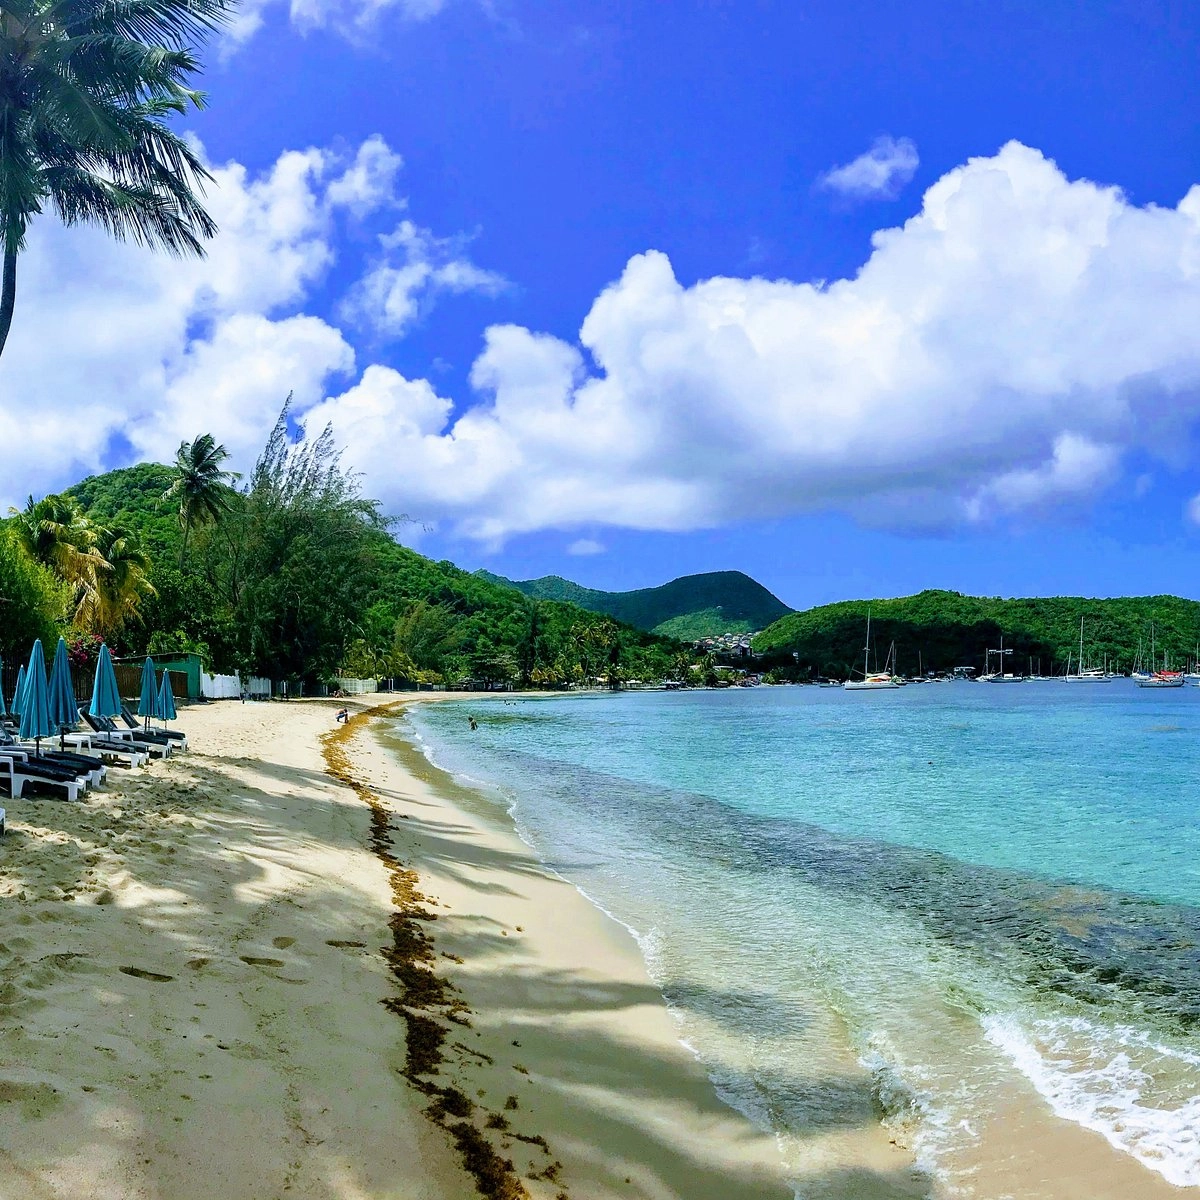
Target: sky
859,298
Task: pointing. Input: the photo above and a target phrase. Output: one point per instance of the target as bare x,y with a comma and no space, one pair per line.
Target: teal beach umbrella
148,701
16,704
106,696
64,709
35,703
165,708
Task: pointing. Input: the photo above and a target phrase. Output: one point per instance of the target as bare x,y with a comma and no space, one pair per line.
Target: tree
85,92
201,485
32,600
303,562
55,533
424,635
529,648
120,587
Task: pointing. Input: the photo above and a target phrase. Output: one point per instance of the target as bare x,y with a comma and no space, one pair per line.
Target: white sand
191,981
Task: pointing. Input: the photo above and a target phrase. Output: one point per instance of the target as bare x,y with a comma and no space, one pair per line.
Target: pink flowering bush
83,649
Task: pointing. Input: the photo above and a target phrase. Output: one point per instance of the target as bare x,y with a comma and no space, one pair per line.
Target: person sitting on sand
343,714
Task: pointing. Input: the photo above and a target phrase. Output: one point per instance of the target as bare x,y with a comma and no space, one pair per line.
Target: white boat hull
871,685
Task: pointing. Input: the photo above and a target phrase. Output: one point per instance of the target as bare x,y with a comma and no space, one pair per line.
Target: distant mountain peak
688,608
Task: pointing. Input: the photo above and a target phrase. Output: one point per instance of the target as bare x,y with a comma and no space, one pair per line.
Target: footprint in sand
282,943
341,945
140,973
261,962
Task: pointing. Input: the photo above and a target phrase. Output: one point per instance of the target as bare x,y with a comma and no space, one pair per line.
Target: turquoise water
933,894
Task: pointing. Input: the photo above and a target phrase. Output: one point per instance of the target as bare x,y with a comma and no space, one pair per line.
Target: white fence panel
220,687
358,687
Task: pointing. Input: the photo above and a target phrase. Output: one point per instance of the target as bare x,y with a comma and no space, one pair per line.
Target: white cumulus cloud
414,269
995,358
117,354
878,173
584,546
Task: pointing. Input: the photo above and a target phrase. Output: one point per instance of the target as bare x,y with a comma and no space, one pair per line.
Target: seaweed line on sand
426,1002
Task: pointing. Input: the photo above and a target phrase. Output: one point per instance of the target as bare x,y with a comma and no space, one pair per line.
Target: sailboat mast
1081,644
867,647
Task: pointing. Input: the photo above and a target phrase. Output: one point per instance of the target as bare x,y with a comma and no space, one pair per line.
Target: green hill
691,607
428,617
948,629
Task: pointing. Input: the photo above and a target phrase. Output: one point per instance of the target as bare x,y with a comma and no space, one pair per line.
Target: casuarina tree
86,90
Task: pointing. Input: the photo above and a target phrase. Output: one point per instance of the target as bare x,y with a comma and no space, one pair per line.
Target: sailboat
878,681
1091,674
999,676
1194,674
1158,679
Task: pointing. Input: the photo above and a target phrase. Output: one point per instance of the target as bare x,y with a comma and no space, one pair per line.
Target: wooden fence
129,682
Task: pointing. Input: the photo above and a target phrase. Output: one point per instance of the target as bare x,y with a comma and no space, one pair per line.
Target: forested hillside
691,607
408,617
948,629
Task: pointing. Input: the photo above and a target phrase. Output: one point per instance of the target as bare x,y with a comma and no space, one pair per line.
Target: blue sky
545,146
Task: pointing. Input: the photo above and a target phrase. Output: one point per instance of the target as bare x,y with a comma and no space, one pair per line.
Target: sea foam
1104,1078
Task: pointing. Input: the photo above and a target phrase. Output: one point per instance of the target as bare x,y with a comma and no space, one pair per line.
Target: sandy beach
219,976
298,961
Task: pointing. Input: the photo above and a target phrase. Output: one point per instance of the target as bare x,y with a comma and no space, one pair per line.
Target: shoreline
304,944
595,1081
203,954
307,945
644,1095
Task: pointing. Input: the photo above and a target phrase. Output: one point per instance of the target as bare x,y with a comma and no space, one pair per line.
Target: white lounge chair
17,779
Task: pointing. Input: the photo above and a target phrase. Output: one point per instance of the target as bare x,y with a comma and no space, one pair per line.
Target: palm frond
86,89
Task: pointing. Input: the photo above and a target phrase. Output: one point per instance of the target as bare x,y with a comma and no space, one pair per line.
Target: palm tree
121,586
85,91
56,532
201,485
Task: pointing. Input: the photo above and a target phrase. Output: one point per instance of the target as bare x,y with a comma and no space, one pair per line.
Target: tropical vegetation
940,630
290,574
86,90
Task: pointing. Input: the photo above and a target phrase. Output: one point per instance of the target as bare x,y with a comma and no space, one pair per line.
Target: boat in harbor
1087,674
1000,676
875,681
1161,679
1158,679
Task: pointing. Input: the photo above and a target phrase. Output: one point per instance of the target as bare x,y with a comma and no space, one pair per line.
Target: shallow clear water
931,906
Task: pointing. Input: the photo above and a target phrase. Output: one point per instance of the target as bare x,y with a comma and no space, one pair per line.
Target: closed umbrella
165,708
64,709
35,703
3,710
106,696
148,701
16,705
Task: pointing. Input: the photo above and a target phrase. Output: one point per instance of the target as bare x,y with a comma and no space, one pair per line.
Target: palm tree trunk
8,291
187,528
